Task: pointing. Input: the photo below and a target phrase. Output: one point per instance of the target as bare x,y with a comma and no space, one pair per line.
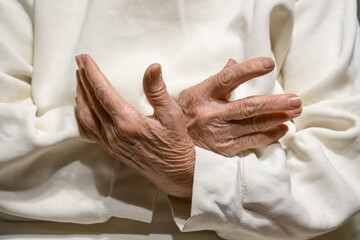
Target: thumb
165,108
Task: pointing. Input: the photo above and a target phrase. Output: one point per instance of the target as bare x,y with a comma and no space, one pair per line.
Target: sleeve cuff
131,196
217,179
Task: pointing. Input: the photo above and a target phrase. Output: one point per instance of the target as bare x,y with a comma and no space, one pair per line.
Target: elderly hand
157,147
229,127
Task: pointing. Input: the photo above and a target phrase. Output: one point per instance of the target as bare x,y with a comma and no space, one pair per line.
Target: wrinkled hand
229,127
157,147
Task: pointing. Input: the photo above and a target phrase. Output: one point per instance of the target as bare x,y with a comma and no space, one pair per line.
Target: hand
157,147
229,127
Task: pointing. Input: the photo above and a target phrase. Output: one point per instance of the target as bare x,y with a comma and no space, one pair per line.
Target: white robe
302,187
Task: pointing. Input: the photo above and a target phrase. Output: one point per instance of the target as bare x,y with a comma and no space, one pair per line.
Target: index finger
107,95
222,84
259,105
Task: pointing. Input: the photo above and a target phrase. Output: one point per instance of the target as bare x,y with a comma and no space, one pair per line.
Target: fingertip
296,113
277,132
155,71
87,58
152,73
152,69
268,63
294,102
89,62
284,129
86,61
77,59
83,58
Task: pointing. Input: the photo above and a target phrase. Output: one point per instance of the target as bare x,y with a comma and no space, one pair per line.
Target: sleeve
47,170
17,109
309,183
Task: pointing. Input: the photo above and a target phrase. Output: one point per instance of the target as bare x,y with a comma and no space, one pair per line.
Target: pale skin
161,147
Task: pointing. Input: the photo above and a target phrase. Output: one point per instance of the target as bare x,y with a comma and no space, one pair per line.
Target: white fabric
303,187
162,227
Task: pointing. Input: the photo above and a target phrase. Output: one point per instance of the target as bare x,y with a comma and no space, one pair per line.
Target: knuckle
230,151
184,94
184,100
248,107
256,124
88,123
221,149
225,76
80,113
84,118
226,148
240,145
245,69
100,91
248,69
253,141
132,131
203,118
93,104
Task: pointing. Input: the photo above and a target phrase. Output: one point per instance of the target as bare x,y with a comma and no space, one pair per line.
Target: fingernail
295,102
155,73
296,112
267,63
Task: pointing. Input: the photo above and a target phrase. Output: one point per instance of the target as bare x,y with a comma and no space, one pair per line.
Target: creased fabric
304,186
308,183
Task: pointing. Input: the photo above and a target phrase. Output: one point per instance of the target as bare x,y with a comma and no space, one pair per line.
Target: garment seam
243,189
112,179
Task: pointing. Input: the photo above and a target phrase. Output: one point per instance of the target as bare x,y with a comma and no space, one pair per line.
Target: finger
95,104
117,114
260,123
259,105
165,108
223,83
84,112
84,130
230,63
257,140
106,94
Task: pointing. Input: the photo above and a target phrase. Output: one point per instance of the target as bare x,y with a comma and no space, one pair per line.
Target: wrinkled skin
157,147
226,127
161,147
